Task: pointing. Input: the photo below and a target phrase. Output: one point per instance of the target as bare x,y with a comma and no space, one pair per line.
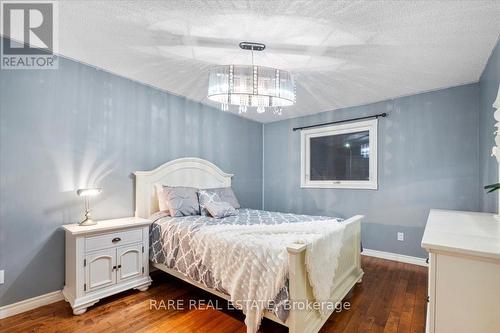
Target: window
340,156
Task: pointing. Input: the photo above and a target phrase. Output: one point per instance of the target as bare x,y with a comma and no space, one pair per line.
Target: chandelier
251,86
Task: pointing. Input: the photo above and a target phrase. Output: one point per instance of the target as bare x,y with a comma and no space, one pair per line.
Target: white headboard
189,171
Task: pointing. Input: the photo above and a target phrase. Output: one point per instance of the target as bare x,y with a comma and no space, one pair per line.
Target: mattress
170,239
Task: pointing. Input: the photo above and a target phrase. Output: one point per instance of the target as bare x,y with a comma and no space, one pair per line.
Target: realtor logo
29,35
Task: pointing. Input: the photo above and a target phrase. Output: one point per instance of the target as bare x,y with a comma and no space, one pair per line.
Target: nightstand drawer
113,239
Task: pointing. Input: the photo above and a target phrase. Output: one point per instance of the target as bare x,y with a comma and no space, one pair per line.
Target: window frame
368,125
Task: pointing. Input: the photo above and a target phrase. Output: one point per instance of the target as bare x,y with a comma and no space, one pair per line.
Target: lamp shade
251,86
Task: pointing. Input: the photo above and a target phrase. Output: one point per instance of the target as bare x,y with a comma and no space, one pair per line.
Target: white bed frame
199,173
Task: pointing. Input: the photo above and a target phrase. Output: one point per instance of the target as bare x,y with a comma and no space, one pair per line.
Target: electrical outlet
2,277
401,236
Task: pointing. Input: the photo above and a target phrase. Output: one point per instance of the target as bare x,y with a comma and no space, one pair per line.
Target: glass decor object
251,86
86,193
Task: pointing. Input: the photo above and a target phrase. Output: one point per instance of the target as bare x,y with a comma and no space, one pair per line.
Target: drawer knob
116,239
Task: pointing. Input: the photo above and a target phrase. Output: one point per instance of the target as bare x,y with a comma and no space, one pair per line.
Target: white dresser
464,272
104,259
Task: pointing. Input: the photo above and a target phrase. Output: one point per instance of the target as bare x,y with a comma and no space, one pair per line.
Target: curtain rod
383,115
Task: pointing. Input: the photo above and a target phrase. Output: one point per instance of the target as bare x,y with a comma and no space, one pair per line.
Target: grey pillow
182,201
205,197
220,209
226,194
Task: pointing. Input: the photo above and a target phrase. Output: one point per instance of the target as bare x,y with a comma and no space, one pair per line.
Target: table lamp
86,193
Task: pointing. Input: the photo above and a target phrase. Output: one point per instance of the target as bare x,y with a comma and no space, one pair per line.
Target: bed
199,173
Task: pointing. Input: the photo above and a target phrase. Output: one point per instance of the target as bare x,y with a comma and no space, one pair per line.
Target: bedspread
175,243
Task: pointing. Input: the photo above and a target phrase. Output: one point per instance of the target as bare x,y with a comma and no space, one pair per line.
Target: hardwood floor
391,299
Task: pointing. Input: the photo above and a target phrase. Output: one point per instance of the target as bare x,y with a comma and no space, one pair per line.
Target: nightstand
105,259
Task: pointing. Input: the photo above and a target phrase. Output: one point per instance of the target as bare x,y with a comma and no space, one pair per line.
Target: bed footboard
347,274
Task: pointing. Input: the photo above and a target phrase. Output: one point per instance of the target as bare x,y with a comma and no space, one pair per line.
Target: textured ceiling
343,53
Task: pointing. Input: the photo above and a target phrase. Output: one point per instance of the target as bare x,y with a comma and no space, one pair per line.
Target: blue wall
78,126
427,158
488,88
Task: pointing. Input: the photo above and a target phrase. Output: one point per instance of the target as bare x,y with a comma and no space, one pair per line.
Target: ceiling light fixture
251,85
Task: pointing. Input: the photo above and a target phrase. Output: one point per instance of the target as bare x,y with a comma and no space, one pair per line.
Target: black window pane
340,157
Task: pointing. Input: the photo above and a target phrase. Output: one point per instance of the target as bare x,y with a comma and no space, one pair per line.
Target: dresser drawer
113,239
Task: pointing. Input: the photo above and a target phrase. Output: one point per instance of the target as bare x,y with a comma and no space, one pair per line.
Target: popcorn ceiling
343,53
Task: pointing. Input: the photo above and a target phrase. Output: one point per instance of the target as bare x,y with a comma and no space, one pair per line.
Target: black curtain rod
383,115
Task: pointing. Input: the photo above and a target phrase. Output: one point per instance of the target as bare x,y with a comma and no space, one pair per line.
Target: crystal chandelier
251,85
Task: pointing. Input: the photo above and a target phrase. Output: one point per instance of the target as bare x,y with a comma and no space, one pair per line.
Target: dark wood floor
392,298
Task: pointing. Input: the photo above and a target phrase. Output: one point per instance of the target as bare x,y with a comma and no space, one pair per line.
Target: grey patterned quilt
170,239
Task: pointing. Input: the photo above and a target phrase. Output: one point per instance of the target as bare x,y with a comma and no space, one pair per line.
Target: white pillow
162,198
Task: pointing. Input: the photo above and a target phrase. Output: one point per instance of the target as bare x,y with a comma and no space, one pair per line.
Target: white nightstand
105,259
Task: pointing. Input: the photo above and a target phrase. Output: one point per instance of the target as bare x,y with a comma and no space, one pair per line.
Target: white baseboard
395,257
30,304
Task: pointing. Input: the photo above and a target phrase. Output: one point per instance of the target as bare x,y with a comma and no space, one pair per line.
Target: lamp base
87,222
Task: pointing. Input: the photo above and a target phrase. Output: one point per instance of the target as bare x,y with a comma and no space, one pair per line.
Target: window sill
341,185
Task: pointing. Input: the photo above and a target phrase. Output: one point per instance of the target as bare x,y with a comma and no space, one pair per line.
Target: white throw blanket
251,261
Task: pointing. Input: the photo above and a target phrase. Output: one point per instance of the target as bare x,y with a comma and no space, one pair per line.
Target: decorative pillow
205,197
220,209
162,198
182,201
227,194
